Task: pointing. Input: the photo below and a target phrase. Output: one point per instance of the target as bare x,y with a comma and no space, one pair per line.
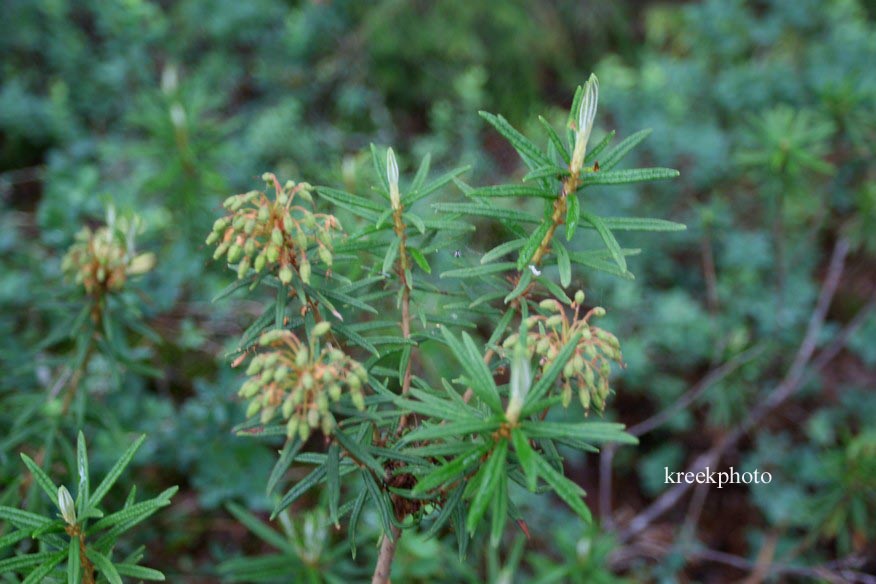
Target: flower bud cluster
101,260
260,233
589,367
298,382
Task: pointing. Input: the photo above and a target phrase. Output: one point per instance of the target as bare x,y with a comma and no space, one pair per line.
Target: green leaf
115,472
554,289
528,151
379,498
18,563
573,213
74,570
391,255
355,338
532,245
520,288
23,519
499,510
622,177
627,144
358,451
258,528
502,249
462,428
476,370
486,211
422,173
433,186
340,197
526,456
551,171
416,220
379,168
555,138
312,479
130,516
641,224
608,239
513,191
601,260
104,566
450,471
446,510
488,479
563,263
82,469
287,456
588,432
477,271
354,521
550,375
565,489
38,576
14,537
333,477
606,140
42,479
141,572
420,259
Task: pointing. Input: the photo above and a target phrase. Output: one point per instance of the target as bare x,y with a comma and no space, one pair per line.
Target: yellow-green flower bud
358,400
253,408
304,272
234,253
321,328
307,380
579,297
291,427
277,236
285,274
301,357
325,255
243,267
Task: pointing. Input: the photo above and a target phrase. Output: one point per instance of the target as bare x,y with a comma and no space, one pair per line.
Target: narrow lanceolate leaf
420,259
641,224
433,186
450,471
526,456
379,498
488,480
462,428
601,260
597,150
551,171
17,563
513,191
563,263
299,488
259,528
41,478
589,432
333,477
287,456
359,452
520,288
499,510
550,375
477,271
139,572
446,510
391,255
74,571
486,211
608,239
528,151
38,576
354,521
115,472
137,512
618,152
532,245
82,493
621,177
476,371
22,519
555,139
573,214
104,565
337,196
569,492
380,169
422,173
503,249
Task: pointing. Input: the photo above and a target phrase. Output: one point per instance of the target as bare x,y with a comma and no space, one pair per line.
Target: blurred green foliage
768,108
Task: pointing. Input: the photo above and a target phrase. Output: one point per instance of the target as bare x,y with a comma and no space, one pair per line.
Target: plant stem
383,569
